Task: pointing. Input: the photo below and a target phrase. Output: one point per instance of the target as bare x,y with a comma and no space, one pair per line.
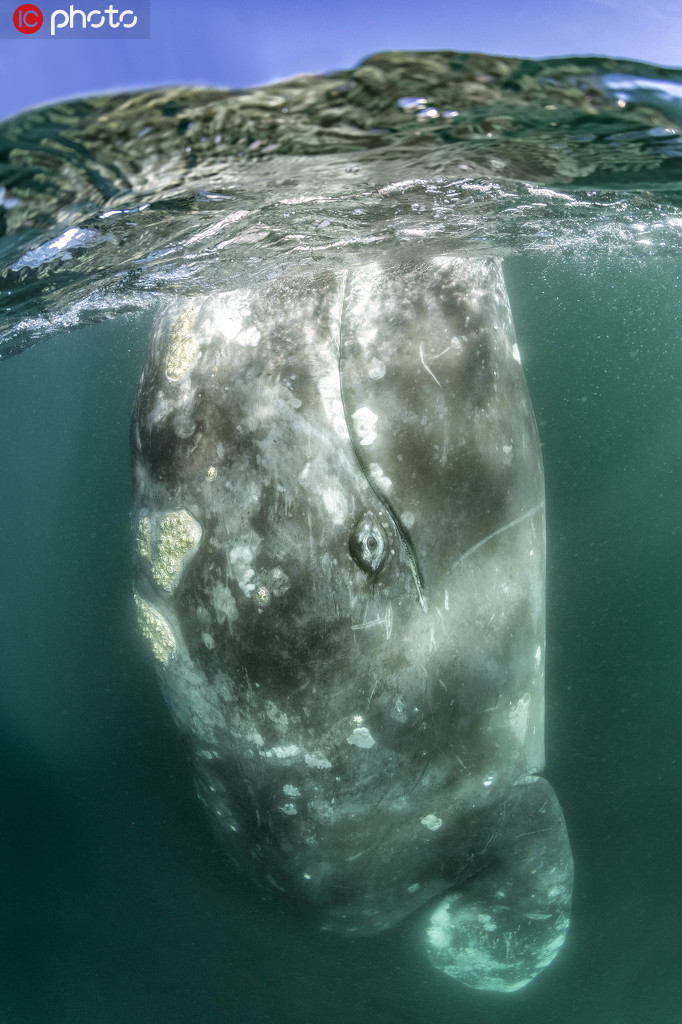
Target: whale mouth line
501,529
403,535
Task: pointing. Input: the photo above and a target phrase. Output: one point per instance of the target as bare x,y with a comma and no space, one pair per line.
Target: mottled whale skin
340,568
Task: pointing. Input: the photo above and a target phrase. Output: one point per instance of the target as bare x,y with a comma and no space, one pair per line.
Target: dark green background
116,906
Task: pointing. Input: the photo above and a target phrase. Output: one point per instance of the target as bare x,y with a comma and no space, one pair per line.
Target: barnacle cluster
155,630
179,533
182,346
144,544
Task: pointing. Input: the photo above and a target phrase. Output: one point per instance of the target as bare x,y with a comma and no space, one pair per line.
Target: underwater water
118,905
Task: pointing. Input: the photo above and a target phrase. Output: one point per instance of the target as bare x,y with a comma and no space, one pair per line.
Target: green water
117,906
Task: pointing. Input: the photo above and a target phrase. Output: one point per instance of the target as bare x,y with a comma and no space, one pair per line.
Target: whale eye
368,543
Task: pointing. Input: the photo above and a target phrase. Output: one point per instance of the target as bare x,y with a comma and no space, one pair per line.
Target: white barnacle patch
361,737
507,450
518,717
155,630
415,887
538,654
291,790
179,536
183,346
364,422
432,822
379,478
289,809
516,354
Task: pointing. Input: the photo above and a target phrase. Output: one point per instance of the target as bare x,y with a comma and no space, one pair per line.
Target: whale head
340,570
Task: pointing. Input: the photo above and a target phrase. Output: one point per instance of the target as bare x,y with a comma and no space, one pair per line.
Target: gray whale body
340,570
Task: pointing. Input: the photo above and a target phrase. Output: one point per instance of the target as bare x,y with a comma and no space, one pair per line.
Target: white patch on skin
241,557
518,717
361,737
376,369
224,604
231,320
440,926
376,475
516,354
414,887
289,809
317,761
507,450
335,504
255,737
322,810
291,400
364,422
280,719
432,822
488,923
332,402
290,751
291,790
538,654
279,581
208,641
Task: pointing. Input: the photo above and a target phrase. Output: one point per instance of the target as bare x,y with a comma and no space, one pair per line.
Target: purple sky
245,43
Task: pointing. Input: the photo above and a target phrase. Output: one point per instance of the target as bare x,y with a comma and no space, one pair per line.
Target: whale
339,572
